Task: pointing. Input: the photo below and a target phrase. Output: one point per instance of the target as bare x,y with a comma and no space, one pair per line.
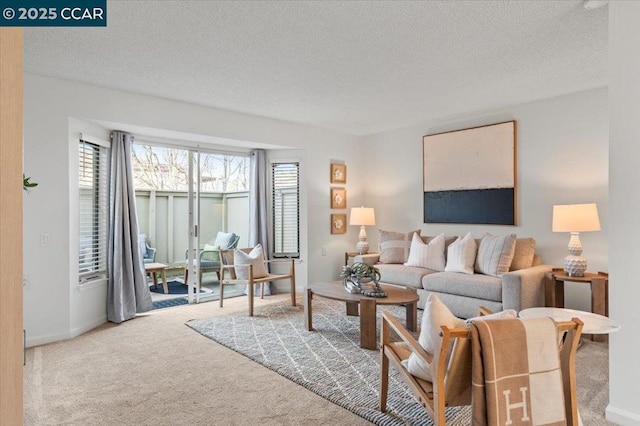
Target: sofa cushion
435,315
461,255
430,256
409,276
478,286
495,254
523,254
394,246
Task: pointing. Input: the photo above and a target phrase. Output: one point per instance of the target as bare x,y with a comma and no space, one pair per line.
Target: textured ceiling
356,67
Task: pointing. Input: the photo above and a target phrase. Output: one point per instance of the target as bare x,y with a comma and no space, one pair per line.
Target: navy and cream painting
469,175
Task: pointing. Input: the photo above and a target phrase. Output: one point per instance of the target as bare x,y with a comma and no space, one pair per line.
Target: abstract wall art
470,175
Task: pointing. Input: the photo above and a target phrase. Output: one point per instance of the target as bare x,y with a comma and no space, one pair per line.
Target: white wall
562,158
624,211
56,110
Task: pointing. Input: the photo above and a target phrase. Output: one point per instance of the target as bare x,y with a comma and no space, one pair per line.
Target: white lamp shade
575,218
362,216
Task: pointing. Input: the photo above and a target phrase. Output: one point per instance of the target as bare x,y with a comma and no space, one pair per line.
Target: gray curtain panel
258,214
127,292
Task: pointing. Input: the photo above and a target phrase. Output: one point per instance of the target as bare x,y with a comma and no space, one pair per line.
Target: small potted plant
362,278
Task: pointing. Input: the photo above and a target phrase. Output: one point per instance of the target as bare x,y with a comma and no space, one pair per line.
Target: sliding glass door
185,196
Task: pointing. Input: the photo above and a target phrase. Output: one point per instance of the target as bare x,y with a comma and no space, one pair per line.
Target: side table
554,291
153,269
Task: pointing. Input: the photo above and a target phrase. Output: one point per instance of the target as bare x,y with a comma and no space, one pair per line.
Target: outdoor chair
209,256
452,384
246,273
148,252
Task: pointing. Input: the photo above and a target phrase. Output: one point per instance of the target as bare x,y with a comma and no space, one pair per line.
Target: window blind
93,203
286,209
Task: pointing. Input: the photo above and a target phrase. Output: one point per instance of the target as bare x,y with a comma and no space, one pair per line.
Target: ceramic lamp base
362,247
575,266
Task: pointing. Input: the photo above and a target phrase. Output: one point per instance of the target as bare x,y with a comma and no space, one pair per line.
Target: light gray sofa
463,293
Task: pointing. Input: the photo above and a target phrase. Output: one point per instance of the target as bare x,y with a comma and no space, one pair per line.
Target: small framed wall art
338,173
338,198
339,223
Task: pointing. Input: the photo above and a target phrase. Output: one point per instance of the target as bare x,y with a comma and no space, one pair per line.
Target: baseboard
32,341
622,417
87,327
52,338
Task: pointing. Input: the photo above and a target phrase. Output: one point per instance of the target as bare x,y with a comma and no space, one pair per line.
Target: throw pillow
506,314
394,246
523,254
461,255
212,253
430,256
223,239
255,257
435,315
495,254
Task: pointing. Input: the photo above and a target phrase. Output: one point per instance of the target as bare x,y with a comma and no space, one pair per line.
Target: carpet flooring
330,362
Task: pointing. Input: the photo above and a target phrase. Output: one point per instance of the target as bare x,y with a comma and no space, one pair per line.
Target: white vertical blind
285,181
93,204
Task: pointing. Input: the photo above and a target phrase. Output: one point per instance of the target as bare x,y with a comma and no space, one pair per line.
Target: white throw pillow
495,254
461,255
435,315
506,314
255,258
430,256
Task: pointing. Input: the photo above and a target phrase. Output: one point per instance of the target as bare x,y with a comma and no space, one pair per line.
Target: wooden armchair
227,264
452,375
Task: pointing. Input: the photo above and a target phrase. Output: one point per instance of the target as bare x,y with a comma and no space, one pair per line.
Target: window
93,185
285,181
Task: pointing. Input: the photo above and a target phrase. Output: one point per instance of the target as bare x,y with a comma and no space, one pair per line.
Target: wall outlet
45,239
324,251
26,283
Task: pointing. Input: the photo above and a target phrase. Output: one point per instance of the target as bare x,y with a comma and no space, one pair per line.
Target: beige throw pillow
461,255
495,254
435,315
255,258
524,253
394,246
430,256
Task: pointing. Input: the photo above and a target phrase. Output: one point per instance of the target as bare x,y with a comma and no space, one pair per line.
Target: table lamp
362,216
575,218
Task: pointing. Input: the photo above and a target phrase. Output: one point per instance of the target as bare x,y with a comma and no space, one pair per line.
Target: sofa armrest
369,259
524,288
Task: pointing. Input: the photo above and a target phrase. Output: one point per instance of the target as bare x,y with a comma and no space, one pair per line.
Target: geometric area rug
327,361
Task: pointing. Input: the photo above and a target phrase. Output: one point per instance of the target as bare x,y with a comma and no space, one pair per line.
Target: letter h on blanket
524,371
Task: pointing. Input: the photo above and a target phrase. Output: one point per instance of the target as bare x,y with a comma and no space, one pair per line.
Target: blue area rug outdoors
175,287
327,361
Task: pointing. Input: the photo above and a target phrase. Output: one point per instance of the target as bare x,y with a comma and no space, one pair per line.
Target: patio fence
164,217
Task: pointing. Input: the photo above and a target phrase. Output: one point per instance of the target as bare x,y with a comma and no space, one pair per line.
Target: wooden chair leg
250,289
261,290
293,289
218,274
384,366
221,293
200,277
186,275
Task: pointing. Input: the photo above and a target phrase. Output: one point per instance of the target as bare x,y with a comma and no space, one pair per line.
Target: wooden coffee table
335,291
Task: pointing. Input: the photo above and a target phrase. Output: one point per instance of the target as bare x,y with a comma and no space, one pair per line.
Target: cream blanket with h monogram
516,373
